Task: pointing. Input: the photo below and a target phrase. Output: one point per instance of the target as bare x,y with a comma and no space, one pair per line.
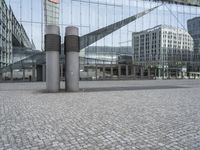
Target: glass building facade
51,11
91,15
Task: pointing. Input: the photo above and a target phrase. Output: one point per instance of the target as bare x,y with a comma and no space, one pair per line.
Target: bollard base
52,71
72,72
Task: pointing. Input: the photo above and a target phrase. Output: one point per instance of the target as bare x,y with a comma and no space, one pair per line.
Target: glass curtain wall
159,39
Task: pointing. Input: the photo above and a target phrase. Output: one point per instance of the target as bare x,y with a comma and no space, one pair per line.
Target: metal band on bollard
52,42
52,48
72,43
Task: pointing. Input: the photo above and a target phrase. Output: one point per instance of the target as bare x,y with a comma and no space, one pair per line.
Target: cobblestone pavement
144,119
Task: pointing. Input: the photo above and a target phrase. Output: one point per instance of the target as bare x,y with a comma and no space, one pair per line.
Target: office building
162,44
12,34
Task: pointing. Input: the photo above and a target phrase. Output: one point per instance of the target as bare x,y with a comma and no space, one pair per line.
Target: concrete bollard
72,49
52,48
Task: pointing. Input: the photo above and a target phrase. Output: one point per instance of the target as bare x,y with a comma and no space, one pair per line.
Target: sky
99,13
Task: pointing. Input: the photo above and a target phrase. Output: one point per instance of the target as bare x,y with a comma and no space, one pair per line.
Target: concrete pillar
159,72
104,72
167,74
24,74
182,75
72,49
176,74
119,71
111,71
39,72
96,72
127,71
33,72
163,73
188,74
61,72
133,71
44,72
141,72
52,48
1,77
11,74
149,73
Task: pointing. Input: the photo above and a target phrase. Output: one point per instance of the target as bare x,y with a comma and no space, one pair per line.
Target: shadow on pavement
130,88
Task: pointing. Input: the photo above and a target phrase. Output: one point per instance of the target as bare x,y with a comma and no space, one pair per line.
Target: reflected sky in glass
90,15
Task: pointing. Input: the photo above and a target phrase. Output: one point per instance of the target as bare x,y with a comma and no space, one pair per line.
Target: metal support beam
182,2
72,49
92,37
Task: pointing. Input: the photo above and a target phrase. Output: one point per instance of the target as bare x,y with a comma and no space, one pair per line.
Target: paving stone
166,116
